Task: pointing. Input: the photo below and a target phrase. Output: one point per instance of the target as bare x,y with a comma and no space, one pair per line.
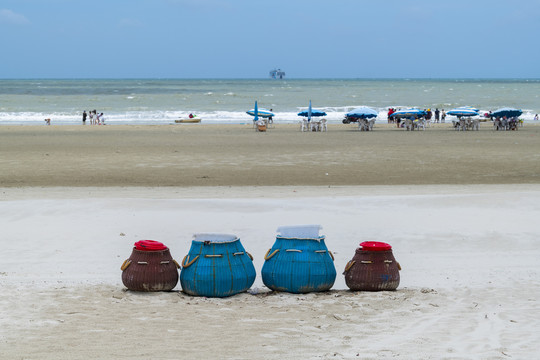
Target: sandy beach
234,155
459,209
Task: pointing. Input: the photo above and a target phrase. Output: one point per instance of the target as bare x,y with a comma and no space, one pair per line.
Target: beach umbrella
311,112
259,112
508,112
407,113
314,112
256,112
362,113
462,112
467,108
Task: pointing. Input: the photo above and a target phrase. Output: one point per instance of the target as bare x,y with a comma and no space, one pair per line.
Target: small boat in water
188,121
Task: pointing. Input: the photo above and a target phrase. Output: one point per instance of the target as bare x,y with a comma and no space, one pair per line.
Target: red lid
149,245
375,246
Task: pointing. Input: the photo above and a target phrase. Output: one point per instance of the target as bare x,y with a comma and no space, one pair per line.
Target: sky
248,38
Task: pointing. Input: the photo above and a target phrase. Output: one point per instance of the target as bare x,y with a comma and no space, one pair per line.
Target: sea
226,101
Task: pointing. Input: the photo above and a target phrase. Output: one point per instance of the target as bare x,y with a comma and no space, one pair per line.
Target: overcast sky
247,38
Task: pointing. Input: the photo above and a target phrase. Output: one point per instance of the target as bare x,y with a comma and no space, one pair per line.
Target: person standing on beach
389,116
437,115
443,116
536,117
84,115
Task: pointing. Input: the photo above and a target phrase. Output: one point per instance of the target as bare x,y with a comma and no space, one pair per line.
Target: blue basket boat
299,261
217,265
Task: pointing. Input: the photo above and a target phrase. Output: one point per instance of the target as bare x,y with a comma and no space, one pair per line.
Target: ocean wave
334,115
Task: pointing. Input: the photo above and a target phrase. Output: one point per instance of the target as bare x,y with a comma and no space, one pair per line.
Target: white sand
469,286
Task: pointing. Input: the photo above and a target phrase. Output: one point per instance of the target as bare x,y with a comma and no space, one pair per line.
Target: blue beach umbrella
462,112
259,112
407,113
508,112
314,112
362,113
467,108
311,112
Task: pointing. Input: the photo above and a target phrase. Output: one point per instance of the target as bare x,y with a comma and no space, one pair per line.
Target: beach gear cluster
217,265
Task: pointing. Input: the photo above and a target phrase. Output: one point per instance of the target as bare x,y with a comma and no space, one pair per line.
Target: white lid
300,231
211,237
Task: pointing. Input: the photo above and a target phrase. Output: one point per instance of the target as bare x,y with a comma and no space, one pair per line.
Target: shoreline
230,122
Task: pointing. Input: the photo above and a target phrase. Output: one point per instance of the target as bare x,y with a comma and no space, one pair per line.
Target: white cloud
9,17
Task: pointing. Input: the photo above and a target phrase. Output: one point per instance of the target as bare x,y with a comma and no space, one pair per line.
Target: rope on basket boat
184,265
268,257
125,264
177,264
349,265
242,253
323,251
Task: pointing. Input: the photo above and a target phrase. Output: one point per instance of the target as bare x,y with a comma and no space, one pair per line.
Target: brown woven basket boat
153,270
373,268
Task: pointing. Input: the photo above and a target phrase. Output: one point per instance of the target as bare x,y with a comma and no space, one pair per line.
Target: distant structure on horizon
277,74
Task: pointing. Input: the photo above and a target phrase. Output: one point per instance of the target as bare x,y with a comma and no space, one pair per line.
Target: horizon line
271,79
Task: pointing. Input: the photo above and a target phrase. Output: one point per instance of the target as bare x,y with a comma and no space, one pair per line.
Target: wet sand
235,155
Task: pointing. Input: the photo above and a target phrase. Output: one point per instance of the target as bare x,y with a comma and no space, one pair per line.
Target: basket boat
150,268
299,261
217,265
373,268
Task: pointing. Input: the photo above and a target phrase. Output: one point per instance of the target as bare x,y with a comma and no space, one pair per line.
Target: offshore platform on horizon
277,74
